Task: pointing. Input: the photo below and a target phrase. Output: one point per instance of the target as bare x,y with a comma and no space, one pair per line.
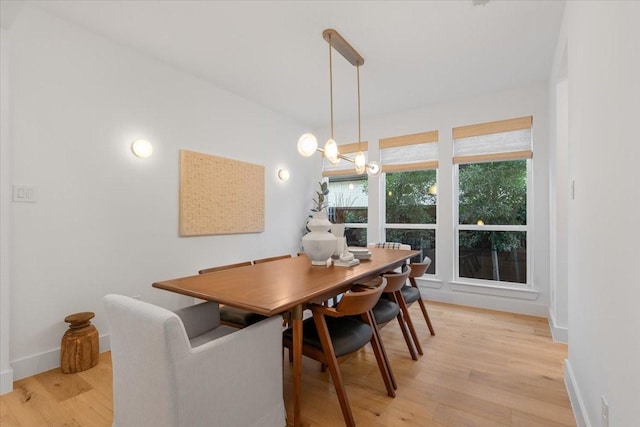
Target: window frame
528,229
350,177
383,212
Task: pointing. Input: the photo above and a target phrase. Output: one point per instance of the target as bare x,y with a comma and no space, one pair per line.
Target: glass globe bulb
331,152
307,144
373,168
360,162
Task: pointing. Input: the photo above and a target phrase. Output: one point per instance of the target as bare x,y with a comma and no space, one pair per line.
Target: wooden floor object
483,368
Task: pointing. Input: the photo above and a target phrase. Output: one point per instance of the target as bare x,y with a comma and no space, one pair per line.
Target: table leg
296,319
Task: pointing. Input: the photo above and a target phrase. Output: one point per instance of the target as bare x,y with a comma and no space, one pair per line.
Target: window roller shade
417,151
494,141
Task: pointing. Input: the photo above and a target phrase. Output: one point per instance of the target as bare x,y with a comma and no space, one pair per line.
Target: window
409,163
348,204
411,211
492,176
348,196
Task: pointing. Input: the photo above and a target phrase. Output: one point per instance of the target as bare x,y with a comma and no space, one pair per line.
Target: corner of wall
48,360
6,372
558,333
6,381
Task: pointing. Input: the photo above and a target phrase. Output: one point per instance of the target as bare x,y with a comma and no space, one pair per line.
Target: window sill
503,291
429,282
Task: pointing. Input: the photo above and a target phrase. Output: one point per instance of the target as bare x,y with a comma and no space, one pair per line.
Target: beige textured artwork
219,195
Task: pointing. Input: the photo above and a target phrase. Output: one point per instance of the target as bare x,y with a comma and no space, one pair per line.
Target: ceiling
272,52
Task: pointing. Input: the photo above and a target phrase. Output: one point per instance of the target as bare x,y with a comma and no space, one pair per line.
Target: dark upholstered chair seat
239,317
385,311
348,334
339,333
410,294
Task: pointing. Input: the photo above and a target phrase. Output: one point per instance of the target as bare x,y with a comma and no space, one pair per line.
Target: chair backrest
390,245
395,281
419,268
360,299
224,267
273,258
145,342
160,380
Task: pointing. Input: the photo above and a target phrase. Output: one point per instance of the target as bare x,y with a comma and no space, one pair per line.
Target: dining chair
183,368
398,281
334,332
390,245
273,258
390,307
412,293
224,267
233,316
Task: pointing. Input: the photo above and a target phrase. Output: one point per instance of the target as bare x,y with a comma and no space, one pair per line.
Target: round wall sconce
283,174
142,148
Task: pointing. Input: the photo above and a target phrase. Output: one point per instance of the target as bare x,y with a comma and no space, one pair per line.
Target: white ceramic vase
319,244
338,231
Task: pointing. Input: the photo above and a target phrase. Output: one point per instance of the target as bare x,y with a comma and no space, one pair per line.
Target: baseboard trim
6,381
558,333
577,404
490,302
38,363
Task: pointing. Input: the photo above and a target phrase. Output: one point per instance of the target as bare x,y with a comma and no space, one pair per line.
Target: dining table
285,286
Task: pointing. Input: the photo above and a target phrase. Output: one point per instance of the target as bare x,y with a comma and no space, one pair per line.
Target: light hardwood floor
483,368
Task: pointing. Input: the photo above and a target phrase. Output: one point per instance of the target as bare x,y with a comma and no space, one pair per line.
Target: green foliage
408,197
495,193
320,201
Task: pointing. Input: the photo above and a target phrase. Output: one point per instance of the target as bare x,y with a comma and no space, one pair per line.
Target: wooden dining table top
274,287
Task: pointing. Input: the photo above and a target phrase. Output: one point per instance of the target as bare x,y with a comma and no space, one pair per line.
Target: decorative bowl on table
360,252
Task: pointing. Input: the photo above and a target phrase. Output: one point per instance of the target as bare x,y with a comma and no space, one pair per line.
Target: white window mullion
412,226
475,227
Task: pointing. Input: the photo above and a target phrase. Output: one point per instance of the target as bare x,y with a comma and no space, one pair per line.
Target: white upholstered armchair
185,369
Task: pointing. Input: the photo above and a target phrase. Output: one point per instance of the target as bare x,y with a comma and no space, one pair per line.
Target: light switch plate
25,193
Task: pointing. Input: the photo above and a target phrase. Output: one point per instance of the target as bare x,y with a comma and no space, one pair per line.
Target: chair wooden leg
423,307
381,356
405,333
407,319
426,316
332,362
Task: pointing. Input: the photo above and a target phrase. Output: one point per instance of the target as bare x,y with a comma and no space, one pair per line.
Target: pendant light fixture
308,143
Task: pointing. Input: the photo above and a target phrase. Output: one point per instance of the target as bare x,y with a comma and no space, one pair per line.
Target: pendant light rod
308,144
358,78
341,45
331,84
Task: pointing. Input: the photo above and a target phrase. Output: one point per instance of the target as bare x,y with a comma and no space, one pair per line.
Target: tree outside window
411,211
492,239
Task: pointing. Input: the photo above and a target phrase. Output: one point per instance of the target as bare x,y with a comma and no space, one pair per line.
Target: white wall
604,289
532,100
6,372
106,221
